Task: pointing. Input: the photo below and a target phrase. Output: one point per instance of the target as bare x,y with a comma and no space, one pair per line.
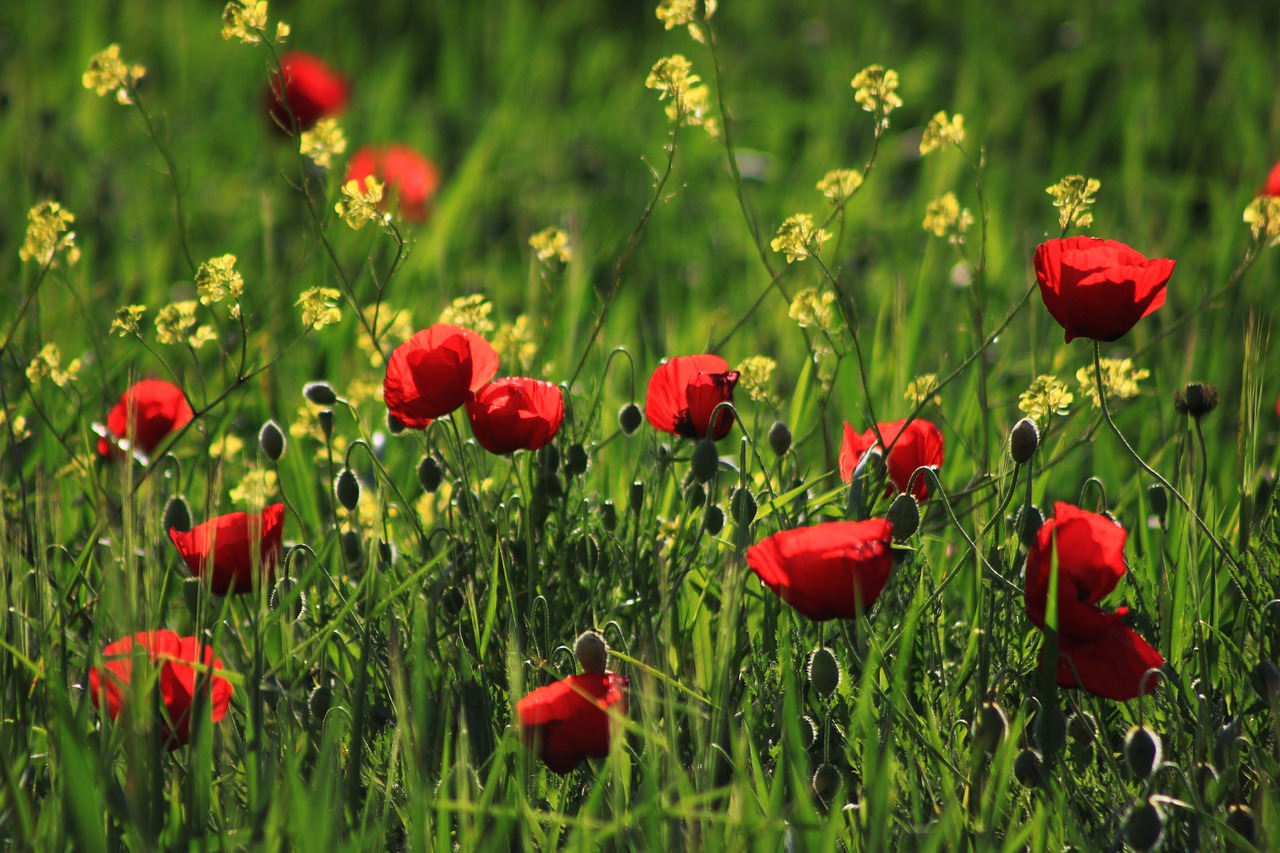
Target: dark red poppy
833,570
173,656
684,391
919,445
147,412
1108,657
435,372
568,721
410,178
229,547
1099,289
515,414
313,90
1272,186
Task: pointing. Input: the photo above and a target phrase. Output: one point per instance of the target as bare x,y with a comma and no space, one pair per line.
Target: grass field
376,666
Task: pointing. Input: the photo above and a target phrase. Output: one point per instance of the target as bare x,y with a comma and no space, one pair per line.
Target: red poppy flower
147,412
435,372
410,177
1099,289
919,445
1108,657
1272,186
684,391
312,89
515,414
174,656
568,721
833,570
228,548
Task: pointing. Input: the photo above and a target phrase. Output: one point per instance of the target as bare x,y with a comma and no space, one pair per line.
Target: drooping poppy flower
1272,186
147,412
435,372
568,721
229,547
1108,656
684,391
833,570
918,445
312,91
409,177
1099,289
515,414
177,682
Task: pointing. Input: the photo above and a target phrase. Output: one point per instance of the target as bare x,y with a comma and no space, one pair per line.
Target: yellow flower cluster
551,244
798,237
1118,376
513,342
176,324
48,235
941,132
217,278
683,13
48,365
754,374
690,100
323,142
255,488
469,312
839,185
247,20
1072,196
107,72
922,388
1046,396
1263,216
812,309
359,205
126,321
945,218
875,88
226,445
319,307
15,427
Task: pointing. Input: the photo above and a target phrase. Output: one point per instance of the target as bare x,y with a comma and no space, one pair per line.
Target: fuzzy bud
742,504
904,515
347,488
990,728
608,516
429,474
713,521
695,496
284,594
352,548
591,651
1028,523
1144,826
635,500
1028,768
1142,751
779,438
1196,399
177,515
320,393
823,672
271,441
575,460
705,460
629,418
325,417
1158,499
826,782
319,702
1024,438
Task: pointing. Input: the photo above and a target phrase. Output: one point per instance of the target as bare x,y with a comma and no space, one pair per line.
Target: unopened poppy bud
1265,679
1028,768
1240,819
192,590
608,516
779,438
575,460
352,549
713,521
635,500
695,496
587,553
271,441
1142,751
347,488
743,506
387,554
1024,438
705,461
325,418
177,515
429,474
904,515
663,453
1082,732
824,672
319,702
826,782
591,651
395,426
320,393
1144,826
1158,498
284,594
1028,523
1196,399
990,727
629,418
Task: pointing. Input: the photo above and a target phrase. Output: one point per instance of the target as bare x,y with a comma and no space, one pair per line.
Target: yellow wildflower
323,142
225,446
48,235
839,185
48,365
875,88
319,307
1072,196
812,309
941,132
922,388
359,205
677,13
107,72
126,321
551,244
470,312
245,20
176,324
1046,396
945,218
1263,216
754,374
15,427
255,489
513,342
1118,376
217,278
798,238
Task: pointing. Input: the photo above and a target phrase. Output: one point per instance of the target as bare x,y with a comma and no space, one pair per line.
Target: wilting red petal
684,391
435,372
515,414
918,444
568,721
229,547
145,414
833,570
1097,288
313,90
410,178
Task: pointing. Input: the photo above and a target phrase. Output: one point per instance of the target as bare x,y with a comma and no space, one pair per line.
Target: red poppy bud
228,549
683,393
568,721
435,372
312,89
515,414
410,178
918,444
146,413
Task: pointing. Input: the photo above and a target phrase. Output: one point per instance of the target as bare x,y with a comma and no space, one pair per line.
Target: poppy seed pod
429,474
1196,399
1024,438
823,672
629,418
990,727
347,488
1142,751
904,515
705,460
271,441
1028,768
320,393
779,438
1144,826
591,651
177,514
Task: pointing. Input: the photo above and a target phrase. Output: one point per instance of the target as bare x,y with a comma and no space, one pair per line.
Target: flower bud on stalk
823,672
271,441
1024,438
591,651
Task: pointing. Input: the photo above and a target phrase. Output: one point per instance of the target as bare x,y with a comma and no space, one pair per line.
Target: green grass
382,717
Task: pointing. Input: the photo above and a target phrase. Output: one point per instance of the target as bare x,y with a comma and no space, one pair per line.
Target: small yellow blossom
839,185
677,13
107,72
470,312
942,132
176,324
690,102
48,365
671,75
922,388
359,205
754,374
798,237
812,309
245,20
1118,376
323,142
513,342
1072,196
551,244
945,218
217,278
1263,216
225,447
126,321
16,427
282,31
48,236
394,328
319,307
1046,396
875,88
255,489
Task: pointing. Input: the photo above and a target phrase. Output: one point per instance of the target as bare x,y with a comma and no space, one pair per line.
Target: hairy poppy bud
904,515
319,702
636,498
177,515
826,782
271,441
1158,499
743,506
587,553
695,496
575,462
591,651
320,393
824,672
705,460
1024,438
325,417
1142,751
429,474
713,521
352,548
1144,826
630,418
608,516
284,593
1082,732
1196,399
779,438
990,728
347,489
1028,768
192,589
395,426
1028,523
